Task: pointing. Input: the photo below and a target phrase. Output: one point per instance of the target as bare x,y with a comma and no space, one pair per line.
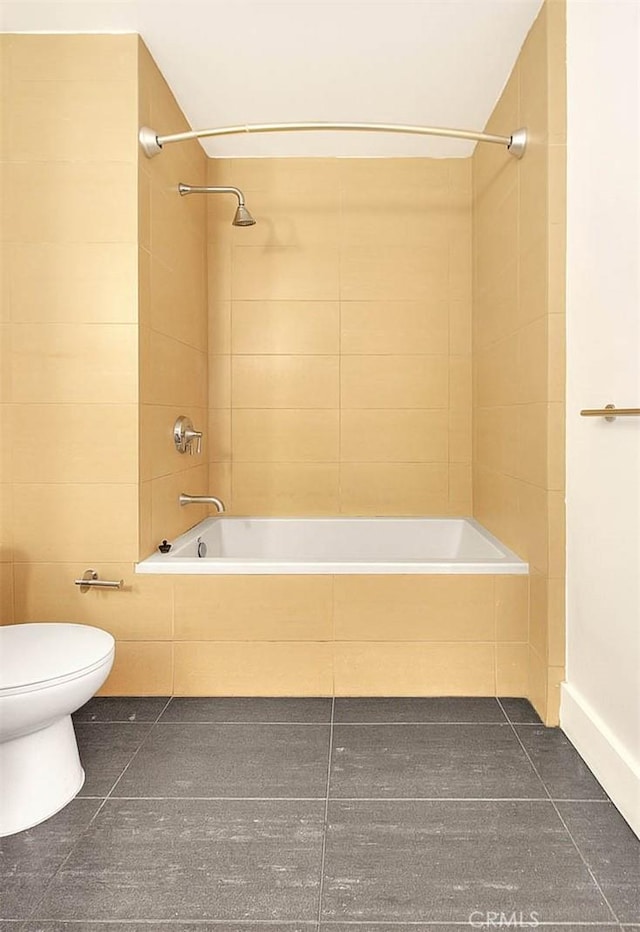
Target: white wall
444,64
601,698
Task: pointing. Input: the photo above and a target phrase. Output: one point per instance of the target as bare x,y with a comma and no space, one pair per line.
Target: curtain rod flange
149,142
518,144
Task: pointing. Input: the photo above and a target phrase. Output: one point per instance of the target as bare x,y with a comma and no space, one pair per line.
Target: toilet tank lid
37,653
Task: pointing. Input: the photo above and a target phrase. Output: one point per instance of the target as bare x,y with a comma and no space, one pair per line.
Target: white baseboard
610,761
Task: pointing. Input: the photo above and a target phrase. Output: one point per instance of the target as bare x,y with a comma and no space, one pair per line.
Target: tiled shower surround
337,339
519,341
346,815
340,337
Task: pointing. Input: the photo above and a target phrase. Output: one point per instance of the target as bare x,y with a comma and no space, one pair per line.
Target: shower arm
152,143
215,189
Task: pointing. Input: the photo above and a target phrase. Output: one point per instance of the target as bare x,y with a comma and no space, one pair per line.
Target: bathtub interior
336,545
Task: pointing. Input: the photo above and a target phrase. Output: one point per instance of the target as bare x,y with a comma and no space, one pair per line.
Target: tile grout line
341,724
410,924
564,825
507,720
365,799
83,833
325,825
357,799
584,861
135,754
498,723
310,922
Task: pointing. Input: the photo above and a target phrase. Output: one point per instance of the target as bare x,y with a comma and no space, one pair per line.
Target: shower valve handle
190,436
184,436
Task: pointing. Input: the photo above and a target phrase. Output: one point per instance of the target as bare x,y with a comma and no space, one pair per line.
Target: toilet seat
37,656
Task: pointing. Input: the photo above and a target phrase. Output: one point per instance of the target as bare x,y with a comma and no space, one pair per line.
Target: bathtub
336,546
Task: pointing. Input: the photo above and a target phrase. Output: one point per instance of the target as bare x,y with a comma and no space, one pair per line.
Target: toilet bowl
47,671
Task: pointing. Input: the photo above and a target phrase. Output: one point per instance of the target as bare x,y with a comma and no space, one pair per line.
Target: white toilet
47,671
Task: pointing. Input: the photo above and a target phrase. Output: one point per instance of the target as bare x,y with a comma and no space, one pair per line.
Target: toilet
47,671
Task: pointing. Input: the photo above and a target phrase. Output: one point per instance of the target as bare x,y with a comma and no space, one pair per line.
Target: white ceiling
435,62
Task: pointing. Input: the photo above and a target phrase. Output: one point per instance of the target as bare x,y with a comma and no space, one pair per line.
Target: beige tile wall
103,337
6,498
343,635
518,340
69,312
340,337
172,315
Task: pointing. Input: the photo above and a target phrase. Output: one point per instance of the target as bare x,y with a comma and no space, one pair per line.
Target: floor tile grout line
152,923
481,724
84,832
325,825
134,755
164,709
19,923
584,860
235,724
278,923
504,711
201,722
114,721
476,724
355,799
126,721
565,826
531,725
226,799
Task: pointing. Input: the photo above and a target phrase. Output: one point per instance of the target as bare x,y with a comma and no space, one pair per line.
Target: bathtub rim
164,564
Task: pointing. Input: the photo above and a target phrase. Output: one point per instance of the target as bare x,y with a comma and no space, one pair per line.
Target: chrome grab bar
610,412
90,581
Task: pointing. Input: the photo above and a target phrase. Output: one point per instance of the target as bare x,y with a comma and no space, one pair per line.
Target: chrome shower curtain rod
152,143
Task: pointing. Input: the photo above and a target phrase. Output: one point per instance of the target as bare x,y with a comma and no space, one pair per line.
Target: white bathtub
336,546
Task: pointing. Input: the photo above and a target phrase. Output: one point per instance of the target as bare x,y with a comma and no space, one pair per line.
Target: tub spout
201,500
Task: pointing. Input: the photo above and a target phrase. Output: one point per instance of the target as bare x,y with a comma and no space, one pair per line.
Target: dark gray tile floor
212,760
303,815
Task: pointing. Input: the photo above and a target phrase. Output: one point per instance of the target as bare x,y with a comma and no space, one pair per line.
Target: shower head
242,216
